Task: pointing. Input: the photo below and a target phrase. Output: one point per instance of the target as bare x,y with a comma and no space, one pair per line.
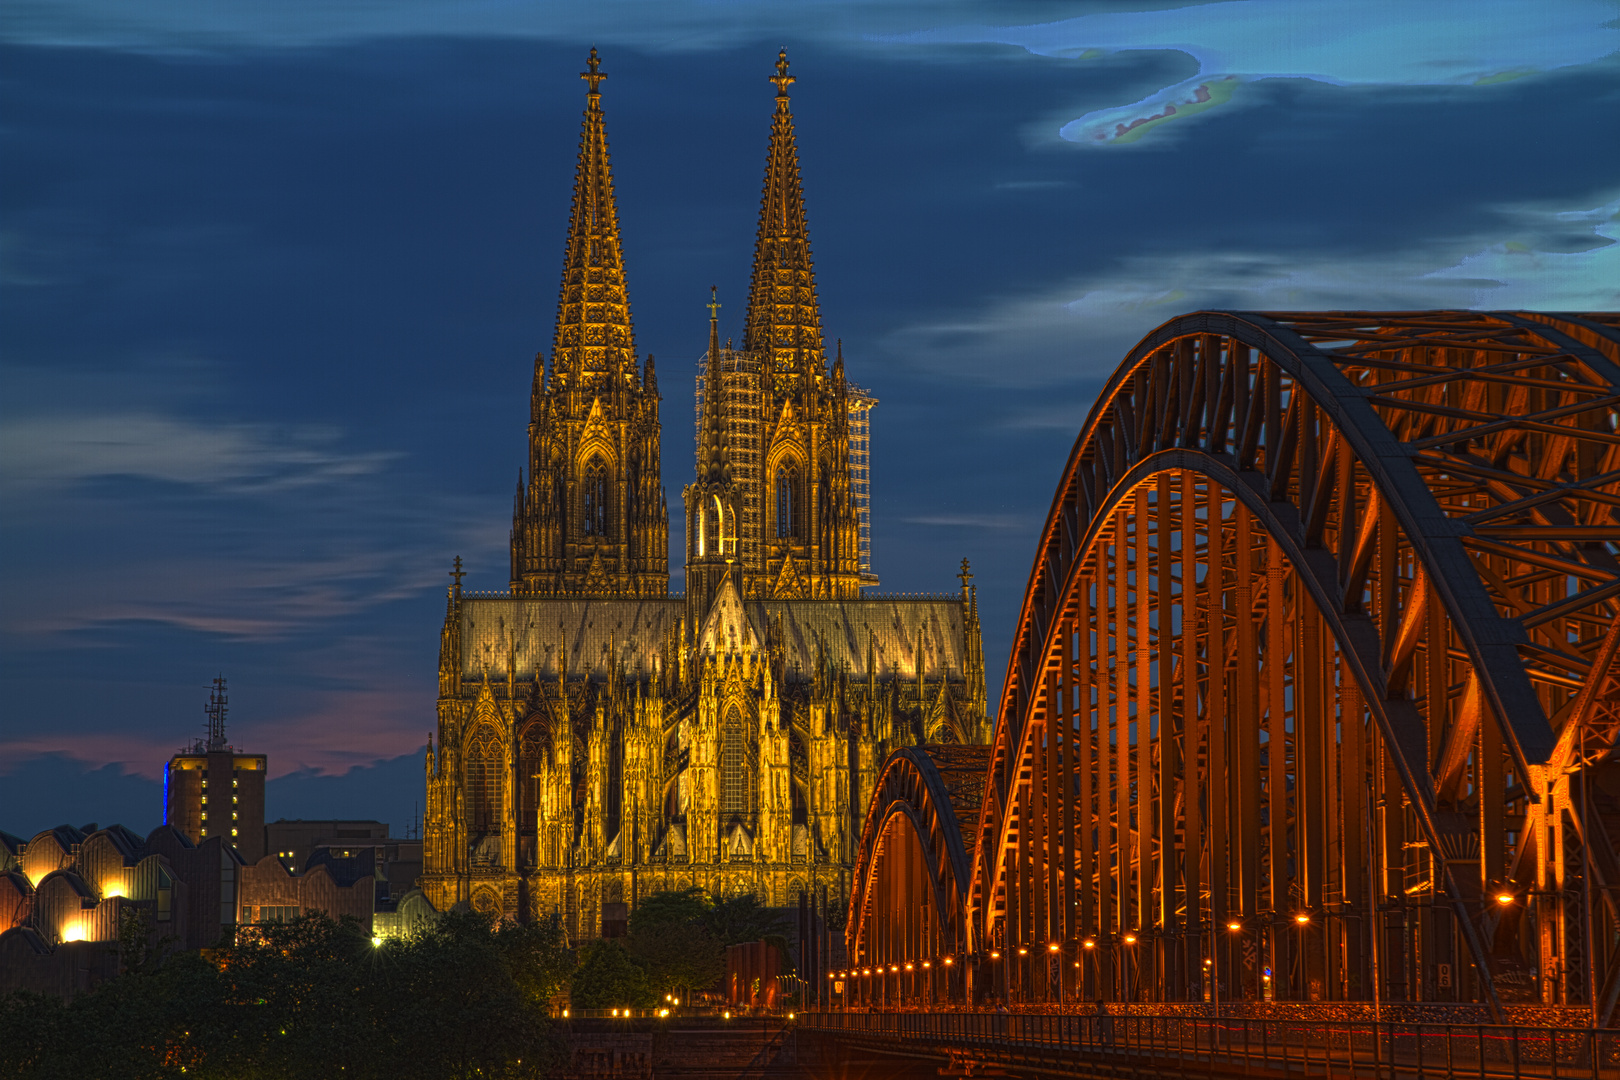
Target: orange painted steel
1314,691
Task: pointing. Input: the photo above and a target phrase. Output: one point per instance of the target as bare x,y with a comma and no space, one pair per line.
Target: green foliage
662,908
608,978
311,998
678,957
741,918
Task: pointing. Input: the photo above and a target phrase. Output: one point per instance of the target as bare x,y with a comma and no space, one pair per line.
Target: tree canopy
310,998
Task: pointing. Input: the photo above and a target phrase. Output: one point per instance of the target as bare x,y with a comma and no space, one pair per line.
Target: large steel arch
1314,671
909,895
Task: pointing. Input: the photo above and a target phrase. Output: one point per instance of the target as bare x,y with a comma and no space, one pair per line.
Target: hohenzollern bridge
1305,758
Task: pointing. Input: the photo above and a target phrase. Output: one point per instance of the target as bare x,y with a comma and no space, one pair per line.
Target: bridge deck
1092,1045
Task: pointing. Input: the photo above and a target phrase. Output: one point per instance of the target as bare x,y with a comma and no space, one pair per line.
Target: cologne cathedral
601,739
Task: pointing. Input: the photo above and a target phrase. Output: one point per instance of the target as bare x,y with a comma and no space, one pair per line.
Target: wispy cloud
1346,43
46,451
1538,258
973,521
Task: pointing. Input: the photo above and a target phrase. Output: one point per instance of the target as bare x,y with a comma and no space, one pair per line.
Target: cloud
1345,43
973,521
45,451
1539,258
650,24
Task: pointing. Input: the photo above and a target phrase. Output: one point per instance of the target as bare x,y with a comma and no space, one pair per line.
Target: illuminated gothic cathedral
600,739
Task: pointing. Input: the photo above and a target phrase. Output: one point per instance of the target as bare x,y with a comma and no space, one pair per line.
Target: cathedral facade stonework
599,739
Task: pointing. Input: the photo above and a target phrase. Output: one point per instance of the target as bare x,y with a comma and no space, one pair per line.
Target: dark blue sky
272,293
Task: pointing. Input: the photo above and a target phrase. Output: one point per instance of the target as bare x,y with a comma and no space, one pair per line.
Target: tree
312,998
670,906
678,957
742,918
608,978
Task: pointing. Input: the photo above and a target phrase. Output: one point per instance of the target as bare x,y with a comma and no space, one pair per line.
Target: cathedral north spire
591,517
784,315
594,334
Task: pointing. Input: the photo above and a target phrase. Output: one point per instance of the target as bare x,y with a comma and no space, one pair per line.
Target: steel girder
1401,608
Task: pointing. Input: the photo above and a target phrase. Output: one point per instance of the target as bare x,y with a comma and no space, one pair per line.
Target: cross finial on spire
458,573
782,79
965,576
714,303
594,76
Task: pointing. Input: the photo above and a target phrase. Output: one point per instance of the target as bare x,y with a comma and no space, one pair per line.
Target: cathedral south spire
593,335
784,316
591,517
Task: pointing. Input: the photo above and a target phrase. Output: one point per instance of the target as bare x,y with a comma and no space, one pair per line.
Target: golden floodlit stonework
600,739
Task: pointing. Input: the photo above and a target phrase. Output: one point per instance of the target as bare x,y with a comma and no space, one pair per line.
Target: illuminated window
594,498
233,799
233,832
787,501
733,792
484,788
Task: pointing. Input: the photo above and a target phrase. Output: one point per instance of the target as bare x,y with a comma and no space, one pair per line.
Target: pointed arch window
733,790
788,501
484,782
594,498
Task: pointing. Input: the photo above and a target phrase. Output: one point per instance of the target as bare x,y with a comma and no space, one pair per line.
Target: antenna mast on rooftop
215,710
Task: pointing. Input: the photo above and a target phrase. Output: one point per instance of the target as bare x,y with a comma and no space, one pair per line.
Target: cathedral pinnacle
782,79
713,466
594,76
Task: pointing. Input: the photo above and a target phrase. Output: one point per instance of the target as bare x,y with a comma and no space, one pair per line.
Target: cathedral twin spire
593,334
784,315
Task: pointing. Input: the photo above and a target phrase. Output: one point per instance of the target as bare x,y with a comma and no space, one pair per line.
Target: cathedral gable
790,583
728,627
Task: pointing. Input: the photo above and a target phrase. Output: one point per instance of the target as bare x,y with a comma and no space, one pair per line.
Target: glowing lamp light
995,955
1302,918
1052,947
113,888
895,968
908,967
615,1012
790,1016
1234,926
1022,951
73,932
1130,939
565,1014
1504,898
1088,944
927,964
376,941
948,961
829,974
726,1015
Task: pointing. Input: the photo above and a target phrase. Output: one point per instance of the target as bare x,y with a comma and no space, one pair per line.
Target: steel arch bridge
1314,691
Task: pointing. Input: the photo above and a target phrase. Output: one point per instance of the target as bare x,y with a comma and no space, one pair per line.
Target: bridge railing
1395,1051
